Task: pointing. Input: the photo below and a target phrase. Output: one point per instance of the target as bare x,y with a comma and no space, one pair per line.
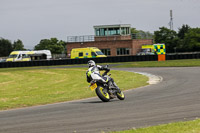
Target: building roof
112,26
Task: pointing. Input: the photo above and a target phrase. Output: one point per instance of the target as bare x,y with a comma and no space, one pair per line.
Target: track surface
176,98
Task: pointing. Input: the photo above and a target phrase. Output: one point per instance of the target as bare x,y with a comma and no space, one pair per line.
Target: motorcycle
106,91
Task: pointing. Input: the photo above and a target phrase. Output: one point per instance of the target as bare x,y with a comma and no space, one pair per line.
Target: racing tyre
102,94
120,96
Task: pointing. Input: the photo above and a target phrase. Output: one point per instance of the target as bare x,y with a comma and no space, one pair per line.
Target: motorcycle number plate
94,86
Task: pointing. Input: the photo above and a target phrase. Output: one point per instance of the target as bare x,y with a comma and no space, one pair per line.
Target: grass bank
178,127
21,87
167,63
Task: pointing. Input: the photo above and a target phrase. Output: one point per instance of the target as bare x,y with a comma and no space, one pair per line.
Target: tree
181,44
192,39
140,34
18,45
167,36
182,31
55,46
5,47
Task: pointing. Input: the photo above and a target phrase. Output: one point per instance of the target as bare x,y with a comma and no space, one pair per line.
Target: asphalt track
176,98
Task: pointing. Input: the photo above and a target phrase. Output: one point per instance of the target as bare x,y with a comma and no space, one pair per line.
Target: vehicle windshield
146,50
99,53
25,56
13,56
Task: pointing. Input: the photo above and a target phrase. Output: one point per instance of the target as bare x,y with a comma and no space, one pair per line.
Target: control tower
113,40
112,32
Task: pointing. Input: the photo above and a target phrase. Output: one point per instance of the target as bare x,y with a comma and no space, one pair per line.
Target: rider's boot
113,85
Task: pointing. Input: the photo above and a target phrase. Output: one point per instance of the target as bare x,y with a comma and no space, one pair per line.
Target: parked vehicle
18,56
2,60
89,52
106,91
152,49
40,54
29,55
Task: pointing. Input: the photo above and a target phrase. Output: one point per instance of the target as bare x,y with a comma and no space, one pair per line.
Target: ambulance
89,52
152,49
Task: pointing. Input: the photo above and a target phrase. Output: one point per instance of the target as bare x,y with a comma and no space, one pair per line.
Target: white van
18,56
29,55
40,55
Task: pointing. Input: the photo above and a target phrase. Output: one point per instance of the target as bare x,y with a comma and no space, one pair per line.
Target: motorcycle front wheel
102,94
120,96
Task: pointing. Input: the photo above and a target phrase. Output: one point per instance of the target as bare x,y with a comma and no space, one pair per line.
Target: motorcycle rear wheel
102,94
120,96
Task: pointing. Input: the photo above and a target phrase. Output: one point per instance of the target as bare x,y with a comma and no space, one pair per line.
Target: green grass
168,63
178,127
21,87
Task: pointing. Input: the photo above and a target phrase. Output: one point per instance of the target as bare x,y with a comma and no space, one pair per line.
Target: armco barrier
78,61
182,56
97,60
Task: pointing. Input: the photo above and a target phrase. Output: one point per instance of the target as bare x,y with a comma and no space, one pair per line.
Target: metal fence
85,38
97,60
183,56
91,38
78,61
59,56
141,35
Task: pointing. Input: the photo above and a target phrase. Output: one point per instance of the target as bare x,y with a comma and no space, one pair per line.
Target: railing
141,36
59,56
86,38
91,38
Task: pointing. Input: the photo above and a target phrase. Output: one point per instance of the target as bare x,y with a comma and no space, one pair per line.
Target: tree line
186,39
6,46
53,44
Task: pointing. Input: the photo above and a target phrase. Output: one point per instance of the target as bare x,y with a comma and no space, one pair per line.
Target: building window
105,51
107,31
93,54
80,54
123,51
102,32
113,31
125,31
97,32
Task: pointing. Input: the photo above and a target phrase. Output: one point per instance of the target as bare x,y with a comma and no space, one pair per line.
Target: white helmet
91,63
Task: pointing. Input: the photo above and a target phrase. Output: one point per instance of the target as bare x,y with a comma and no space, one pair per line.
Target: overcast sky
33,20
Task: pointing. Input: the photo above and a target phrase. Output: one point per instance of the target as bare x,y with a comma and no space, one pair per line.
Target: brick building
113,40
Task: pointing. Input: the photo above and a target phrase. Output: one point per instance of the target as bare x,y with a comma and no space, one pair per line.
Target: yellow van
89,52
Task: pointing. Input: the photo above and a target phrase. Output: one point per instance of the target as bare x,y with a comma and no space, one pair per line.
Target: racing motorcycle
106,91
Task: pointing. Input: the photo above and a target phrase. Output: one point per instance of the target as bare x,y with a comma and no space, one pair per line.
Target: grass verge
178,127
167,63
21,87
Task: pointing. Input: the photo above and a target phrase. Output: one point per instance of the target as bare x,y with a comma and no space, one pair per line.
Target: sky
34,20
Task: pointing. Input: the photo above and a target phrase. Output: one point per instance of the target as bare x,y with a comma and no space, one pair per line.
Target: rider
94,73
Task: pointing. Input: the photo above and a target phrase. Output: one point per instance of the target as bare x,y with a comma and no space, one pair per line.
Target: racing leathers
93,73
